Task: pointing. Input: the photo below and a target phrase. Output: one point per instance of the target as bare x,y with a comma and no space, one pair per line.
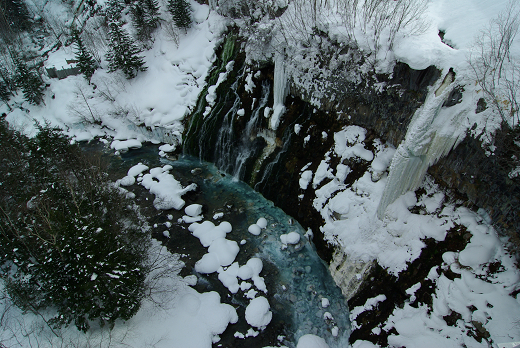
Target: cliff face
236,136
482,181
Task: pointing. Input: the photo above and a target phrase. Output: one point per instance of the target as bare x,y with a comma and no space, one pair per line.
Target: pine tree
124,53
86,63
29,81
5,94
138,18
14,15
152,13
114,10
181,13
69,239
145,16
7,78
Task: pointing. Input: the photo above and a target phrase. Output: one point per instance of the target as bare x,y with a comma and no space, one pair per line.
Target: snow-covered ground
476,293
152,106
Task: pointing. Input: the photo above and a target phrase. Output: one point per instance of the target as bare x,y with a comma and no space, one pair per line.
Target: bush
496,69
68,239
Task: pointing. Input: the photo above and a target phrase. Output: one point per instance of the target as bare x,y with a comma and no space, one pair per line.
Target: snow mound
125,145
167,190
290,238
311,341
258,313
193,210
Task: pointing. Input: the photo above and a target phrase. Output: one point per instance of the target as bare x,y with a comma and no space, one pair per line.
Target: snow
167,148
305,179
325,302
262,222
258,313
207,232
254,229
153,106
167,190
222,252
290,238
193,210
348,143
311,341
126,144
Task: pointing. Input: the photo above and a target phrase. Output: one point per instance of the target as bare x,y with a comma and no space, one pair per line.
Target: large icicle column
433,132
280,90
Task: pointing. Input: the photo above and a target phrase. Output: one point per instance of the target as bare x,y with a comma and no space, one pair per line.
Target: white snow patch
258,313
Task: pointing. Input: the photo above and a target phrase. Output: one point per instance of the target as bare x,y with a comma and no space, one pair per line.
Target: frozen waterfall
280,90
433,131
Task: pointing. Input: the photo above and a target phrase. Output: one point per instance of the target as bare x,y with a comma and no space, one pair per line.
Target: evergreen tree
124,53
68,239
29,81
139,20
86,63
114,10
145,15
152,13
7,78
5,94
181,13
14,16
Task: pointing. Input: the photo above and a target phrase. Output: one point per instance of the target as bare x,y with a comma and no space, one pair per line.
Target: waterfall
434,130
280,90
224,150
223,134
247,148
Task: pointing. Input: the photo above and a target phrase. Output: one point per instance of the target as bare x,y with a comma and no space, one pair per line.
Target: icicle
280,90
429,138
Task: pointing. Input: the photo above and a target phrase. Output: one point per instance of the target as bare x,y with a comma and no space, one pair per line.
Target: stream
301,292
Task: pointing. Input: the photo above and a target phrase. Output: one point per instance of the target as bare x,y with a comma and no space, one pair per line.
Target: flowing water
297,279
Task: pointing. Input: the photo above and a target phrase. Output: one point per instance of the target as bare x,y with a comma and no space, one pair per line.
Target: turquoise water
296,278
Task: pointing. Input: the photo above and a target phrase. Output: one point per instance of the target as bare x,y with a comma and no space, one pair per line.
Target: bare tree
497,71
381,21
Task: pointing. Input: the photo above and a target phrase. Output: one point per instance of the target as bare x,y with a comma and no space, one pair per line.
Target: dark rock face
482,181
387,112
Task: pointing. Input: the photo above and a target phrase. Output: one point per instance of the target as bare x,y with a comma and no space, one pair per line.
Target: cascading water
223,134
433,132
223,148
246,147
280,91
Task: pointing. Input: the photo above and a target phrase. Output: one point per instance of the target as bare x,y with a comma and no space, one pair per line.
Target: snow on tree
124,53
181,13
29,81
145,17
69,241
114,10
86,62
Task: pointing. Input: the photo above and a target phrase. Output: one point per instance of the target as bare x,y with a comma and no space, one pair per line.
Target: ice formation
431,135
280,90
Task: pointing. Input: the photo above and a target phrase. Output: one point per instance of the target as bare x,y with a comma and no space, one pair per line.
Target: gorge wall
229,128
